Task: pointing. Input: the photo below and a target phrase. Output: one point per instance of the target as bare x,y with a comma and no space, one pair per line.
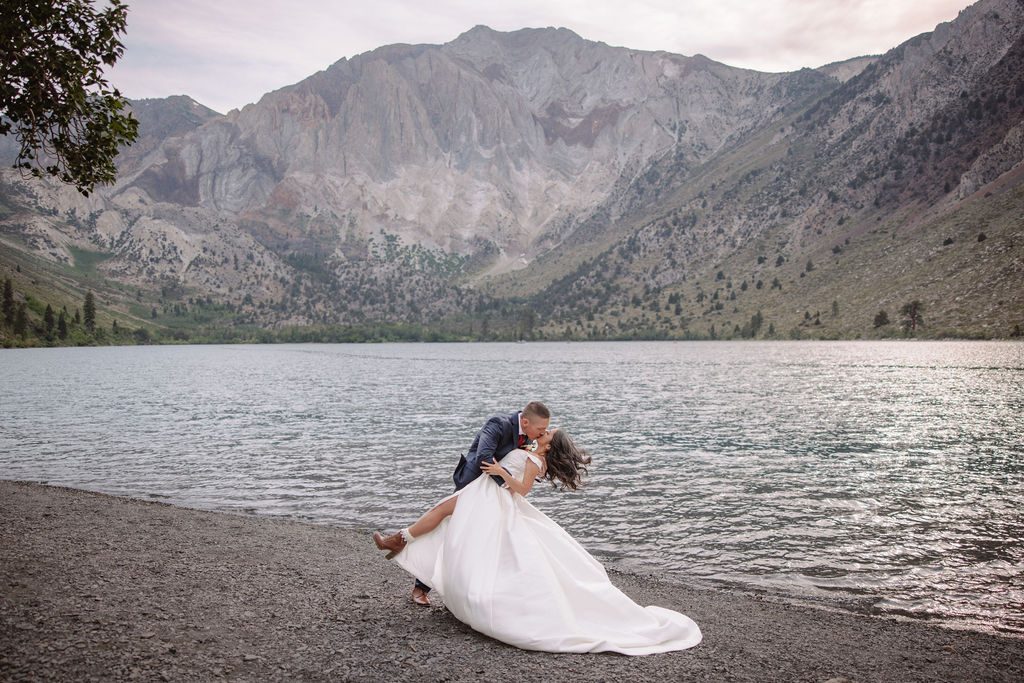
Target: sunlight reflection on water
885,476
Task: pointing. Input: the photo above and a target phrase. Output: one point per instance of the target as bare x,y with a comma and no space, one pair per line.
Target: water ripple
881,476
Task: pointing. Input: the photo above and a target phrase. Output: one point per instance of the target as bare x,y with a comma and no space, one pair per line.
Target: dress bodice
515,462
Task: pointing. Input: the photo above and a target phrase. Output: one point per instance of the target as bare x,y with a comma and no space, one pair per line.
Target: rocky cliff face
372,188
874,180
498,139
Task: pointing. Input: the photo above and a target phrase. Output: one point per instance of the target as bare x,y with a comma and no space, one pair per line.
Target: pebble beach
95,587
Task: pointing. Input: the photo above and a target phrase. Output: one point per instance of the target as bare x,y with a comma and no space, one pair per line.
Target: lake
885,477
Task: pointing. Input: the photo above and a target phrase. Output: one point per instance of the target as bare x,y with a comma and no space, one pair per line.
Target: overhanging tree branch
53,95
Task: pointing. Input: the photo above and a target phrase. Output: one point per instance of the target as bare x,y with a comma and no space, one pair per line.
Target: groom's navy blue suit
494,441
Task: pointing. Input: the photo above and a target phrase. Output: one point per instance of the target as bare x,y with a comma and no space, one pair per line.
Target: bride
508,571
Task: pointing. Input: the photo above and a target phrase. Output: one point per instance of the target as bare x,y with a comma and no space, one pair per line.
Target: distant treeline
28,322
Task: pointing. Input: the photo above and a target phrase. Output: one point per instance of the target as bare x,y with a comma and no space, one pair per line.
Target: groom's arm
490,437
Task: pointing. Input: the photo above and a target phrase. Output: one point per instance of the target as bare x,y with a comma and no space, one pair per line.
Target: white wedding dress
505,569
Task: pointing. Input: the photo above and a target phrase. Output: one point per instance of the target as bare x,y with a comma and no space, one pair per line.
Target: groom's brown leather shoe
419,596
393,543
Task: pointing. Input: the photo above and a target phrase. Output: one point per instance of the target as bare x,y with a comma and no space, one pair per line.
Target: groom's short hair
537,409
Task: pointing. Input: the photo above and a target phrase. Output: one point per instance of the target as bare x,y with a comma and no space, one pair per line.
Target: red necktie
522,440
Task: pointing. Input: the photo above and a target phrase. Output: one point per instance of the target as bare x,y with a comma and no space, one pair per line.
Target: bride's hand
492,468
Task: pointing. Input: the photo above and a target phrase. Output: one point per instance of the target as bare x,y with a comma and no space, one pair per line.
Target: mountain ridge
559,187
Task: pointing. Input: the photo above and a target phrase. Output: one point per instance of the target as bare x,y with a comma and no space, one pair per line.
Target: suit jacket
494,441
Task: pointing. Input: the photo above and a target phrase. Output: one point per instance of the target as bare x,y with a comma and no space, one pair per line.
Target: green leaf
54,94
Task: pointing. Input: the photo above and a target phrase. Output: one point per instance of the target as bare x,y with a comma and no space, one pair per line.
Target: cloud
791,34
228,53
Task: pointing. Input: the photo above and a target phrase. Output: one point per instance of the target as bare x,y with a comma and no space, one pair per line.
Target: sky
228,53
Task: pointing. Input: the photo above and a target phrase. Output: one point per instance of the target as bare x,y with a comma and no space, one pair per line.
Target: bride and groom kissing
507,570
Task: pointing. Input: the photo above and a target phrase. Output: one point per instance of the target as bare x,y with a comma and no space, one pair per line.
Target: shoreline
372,342
98,587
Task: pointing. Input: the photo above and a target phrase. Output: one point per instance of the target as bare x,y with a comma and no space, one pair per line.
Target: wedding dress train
508,571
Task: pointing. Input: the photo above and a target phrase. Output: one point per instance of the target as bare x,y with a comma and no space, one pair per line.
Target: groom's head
535,419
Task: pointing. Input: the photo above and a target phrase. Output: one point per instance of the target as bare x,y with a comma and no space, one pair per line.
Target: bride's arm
521,487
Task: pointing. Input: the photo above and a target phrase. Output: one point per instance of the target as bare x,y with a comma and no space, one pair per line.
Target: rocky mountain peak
485,41
494,138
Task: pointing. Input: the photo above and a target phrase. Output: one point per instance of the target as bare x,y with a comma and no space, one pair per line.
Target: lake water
886,477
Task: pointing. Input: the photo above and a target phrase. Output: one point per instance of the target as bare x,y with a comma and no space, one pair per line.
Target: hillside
537,184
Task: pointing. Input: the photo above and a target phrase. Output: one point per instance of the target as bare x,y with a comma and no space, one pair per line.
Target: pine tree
48,322
89,311
62,325
9,309
21,321
912,311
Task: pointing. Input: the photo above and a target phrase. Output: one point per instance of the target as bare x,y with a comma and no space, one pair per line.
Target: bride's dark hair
566,461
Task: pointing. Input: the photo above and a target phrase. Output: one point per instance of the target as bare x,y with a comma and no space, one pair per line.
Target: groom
500,436
497,438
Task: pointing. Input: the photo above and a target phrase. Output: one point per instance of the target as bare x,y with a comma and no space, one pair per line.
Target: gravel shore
94,587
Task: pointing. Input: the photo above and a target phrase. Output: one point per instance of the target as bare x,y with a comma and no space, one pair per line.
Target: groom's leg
419,593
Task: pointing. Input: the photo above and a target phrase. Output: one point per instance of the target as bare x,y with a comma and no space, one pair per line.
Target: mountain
160,119
901,184
493,142
539,184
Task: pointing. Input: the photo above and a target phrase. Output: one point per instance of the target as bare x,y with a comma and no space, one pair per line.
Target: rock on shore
94,587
